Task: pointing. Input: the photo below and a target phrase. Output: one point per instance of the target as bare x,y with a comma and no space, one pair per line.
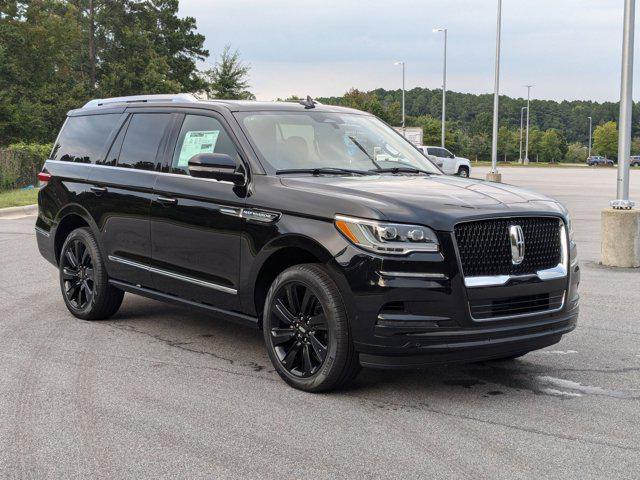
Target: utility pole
403,89
621,224
493,175
444,85
590,129
526,149
521,129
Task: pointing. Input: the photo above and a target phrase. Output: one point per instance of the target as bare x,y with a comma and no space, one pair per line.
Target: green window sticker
203,141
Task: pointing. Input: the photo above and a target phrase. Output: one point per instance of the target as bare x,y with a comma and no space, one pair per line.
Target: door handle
98,189
167,200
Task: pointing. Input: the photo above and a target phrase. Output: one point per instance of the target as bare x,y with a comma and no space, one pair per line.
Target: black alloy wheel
306,330
77,274
85,285
299,329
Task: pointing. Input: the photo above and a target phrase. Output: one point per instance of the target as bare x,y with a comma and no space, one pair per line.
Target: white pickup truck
447,161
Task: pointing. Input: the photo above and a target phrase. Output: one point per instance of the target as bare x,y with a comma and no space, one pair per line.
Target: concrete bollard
620,238
494,177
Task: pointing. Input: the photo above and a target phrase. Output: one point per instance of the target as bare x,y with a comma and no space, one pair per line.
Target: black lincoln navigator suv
320,225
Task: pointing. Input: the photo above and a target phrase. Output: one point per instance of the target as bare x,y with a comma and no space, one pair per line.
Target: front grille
506,307
485,249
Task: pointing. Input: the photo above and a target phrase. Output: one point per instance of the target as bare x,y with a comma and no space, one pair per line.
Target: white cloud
569,49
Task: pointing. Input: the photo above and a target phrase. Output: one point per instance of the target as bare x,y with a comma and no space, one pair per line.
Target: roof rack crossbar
179,97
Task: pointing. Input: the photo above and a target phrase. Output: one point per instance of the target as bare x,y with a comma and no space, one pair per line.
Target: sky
568,49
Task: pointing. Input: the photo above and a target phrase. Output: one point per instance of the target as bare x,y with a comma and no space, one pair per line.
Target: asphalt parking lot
161,392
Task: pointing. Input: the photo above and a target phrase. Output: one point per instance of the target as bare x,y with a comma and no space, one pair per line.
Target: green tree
228,78
553,146
367,102
55,55
605,139
576,153
431,128
508,144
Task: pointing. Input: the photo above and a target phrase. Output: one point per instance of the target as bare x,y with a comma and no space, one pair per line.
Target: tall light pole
493,175
526,148
620,231
590,130
444,84
403,88
521,128
626,108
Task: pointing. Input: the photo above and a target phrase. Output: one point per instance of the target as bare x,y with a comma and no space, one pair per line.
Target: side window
200,134
84,139
142,140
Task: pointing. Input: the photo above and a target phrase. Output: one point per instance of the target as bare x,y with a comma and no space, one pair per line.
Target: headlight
389,238
570,227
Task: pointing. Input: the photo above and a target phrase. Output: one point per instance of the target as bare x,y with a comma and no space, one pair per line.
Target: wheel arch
70,218
277,256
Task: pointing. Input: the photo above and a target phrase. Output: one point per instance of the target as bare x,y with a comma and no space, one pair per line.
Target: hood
439,201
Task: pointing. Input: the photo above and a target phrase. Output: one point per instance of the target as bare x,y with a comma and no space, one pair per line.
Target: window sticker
203,141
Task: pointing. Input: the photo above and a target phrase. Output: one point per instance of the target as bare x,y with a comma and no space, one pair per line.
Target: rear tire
83,278
306,330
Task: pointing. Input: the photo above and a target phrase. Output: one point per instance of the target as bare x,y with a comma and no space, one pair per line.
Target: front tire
306,330
83,278
463,172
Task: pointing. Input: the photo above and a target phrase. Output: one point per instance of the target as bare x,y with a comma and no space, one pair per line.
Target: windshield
321,140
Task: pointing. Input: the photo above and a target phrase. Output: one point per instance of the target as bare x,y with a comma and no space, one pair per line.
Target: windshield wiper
363,150
400,170
326,170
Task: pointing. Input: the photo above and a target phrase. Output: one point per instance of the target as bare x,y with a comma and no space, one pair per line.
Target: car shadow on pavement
243,347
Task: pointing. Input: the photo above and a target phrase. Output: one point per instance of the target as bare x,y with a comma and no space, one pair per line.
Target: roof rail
178,97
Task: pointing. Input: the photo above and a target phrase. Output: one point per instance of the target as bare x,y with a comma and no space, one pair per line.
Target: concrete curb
12,212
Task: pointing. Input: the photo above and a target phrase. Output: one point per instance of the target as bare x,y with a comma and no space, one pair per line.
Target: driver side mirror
218,166
451,155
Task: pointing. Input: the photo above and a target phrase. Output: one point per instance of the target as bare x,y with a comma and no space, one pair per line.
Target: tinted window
84,139
200,134
142,140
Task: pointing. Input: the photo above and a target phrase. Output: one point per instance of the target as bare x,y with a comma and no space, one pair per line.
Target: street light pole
526,149
590,130
620,231
496,100
403,89
444,84
626,108
521,129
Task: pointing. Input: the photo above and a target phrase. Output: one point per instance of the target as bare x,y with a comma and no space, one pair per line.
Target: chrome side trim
42,232
522,315
177,276
234,212
559,271
148,172
412,274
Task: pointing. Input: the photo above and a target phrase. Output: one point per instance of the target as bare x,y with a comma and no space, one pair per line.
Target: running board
236,317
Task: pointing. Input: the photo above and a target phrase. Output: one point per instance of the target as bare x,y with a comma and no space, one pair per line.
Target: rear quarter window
84,139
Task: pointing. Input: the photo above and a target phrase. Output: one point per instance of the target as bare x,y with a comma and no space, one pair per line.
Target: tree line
57,54
559,131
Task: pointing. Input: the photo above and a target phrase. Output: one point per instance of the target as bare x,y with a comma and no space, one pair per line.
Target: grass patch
18,198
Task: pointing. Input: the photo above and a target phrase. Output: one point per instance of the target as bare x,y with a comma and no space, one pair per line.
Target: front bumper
415,311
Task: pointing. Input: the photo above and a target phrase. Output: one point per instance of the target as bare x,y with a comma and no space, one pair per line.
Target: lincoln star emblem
516,239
